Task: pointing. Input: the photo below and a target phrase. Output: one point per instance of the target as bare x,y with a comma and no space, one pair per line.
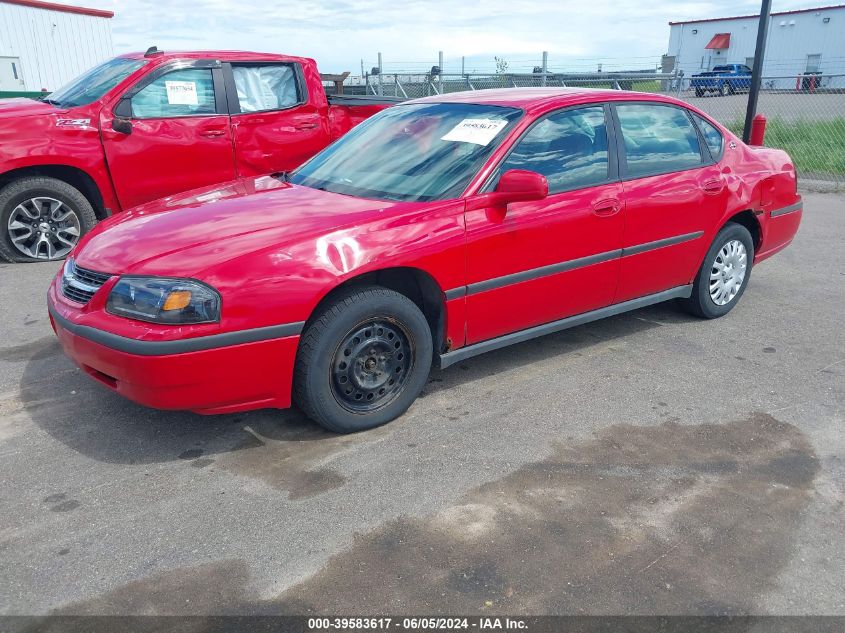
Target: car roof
222,55
542,98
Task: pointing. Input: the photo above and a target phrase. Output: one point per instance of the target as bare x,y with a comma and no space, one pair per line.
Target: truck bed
361,100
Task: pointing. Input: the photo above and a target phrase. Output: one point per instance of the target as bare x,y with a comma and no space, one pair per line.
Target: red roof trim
64,8
720,41
757,15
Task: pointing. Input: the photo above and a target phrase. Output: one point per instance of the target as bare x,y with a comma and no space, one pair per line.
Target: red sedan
436,230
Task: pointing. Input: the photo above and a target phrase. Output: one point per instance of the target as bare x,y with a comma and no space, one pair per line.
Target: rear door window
658,139
262,87
186,92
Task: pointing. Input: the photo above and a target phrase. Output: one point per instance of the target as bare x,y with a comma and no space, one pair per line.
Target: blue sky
338,33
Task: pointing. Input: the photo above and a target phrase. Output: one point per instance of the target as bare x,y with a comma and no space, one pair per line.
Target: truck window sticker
477,131
181,92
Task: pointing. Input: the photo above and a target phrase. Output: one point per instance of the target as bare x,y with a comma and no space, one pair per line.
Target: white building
45,45
798,42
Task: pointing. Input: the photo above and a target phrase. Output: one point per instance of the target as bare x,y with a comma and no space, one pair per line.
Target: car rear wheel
724,274
699,92
725,89
363,360
42,219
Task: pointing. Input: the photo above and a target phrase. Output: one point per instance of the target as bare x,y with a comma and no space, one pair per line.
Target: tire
703,302
699,92
49,198
725,89
370,341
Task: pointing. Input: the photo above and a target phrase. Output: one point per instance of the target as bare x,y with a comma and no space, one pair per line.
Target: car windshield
94,83
719,69
414,152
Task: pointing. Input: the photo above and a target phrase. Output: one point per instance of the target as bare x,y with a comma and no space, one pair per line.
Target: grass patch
817,147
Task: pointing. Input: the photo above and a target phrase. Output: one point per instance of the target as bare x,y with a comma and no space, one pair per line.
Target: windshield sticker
181,92
477,131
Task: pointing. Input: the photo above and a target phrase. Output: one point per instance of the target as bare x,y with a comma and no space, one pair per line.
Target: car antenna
153,50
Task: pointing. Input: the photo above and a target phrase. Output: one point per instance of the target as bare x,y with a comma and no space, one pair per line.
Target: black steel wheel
371,364
362,360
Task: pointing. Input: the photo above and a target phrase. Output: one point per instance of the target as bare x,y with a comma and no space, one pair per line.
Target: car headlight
163,300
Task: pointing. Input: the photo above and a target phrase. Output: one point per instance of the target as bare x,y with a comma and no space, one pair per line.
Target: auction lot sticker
478,131
181,92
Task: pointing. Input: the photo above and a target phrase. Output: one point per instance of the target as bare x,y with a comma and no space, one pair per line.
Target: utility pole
380,80
757,71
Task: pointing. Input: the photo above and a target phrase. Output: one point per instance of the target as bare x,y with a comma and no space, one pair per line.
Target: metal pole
380,81
362,67
757,71
545,67
440,66
463,65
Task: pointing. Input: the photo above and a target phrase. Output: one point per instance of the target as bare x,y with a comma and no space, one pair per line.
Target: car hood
186,234
18,107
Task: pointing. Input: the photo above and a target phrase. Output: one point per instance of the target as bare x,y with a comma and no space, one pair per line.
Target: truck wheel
699,92
363,360
725,89
724,274
42,219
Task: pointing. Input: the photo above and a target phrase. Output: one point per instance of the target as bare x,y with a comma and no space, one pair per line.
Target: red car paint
273,250
164,156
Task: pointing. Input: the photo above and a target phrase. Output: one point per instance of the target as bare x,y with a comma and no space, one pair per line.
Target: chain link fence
805,113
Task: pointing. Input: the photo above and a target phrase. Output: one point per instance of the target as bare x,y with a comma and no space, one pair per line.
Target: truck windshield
414,152
94,83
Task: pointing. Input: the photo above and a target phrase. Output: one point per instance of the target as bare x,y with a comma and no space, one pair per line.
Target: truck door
169,133
276,126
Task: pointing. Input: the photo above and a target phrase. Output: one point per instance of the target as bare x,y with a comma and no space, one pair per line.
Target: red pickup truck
144,126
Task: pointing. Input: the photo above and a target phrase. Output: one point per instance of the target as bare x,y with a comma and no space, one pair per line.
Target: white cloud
577,34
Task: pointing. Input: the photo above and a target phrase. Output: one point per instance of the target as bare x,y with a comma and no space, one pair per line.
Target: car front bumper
221,379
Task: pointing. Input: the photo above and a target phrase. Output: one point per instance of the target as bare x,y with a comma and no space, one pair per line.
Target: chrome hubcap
728,272
44,228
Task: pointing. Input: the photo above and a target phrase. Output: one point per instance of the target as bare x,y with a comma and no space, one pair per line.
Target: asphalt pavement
651,463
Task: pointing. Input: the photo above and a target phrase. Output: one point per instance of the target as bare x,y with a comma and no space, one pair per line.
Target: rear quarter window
712,136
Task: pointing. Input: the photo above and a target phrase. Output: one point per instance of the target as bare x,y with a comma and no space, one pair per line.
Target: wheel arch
414,283
73,176
749,220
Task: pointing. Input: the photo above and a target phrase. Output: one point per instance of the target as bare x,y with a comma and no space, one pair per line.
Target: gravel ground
783,106
649,463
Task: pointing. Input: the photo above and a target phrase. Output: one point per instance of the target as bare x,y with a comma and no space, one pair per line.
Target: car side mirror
520,185
124,126
515,185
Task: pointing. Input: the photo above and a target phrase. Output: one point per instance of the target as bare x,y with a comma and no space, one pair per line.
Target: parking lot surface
781,106
648,463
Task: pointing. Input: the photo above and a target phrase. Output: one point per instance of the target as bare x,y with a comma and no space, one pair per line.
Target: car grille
80,284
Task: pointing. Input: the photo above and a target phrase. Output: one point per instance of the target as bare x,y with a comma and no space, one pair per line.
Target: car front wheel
363,360
725,90
724,274
42,219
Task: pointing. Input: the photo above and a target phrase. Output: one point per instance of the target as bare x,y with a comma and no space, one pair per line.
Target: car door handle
305,126
713,186
212,133
604,208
